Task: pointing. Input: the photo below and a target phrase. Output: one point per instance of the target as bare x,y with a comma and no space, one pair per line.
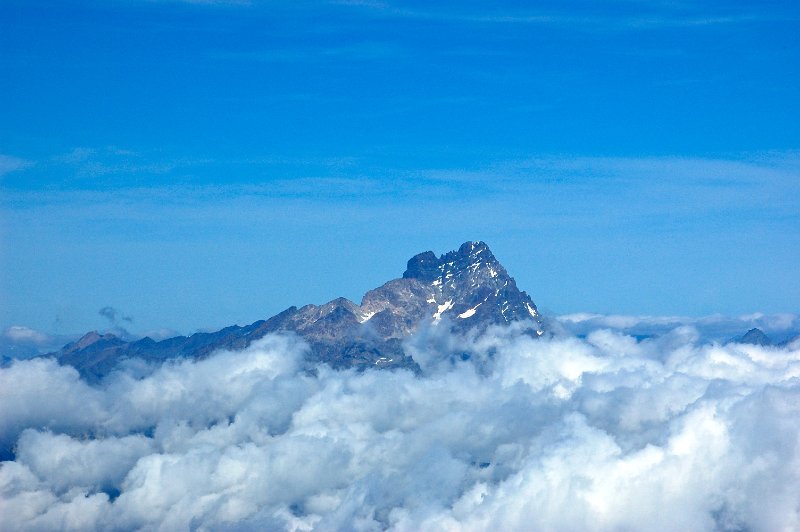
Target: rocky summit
461,290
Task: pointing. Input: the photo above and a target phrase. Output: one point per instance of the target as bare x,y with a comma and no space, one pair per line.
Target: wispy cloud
83,154
751,181
666,183
115,318
10,164
363,51
589,16
627,16
86,166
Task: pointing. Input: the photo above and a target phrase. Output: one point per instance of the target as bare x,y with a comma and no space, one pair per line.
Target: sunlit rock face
462,290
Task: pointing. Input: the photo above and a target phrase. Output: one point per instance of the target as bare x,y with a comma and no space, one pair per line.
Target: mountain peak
471,286
461,290
424,267
754,336
473,248
427,267
93,337
92,340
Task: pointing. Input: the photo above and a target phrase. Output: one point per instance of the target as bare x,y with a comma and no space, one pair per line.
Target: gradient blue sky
197,164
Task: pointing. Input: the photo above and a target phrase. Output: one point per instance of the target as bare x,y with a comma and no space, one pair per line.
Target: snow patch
531,310
444,307
366,316
470,312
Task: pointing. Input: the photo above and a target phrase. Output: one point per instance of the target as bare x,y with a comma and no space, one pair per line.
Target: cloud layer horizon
499,431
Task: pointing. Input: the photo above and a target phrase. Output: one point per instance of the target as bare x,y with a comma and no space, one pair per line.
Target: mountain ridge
466,288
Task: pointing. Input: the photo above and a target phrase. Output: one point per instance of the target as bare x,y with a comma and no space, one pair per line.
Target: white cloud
601,433
70,462
11,164
715,327
41,394
22,334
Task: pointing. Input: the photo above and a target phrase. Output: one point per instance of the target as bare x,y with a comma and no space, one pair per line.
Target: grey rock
462,290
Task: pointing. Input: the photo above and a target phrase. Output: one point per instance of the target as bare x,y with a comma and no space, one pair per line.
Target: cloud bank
19,341
780,327
499,431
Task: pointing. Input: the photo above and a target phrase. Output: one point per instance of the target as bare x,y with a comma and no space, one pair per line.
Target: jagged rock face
462,289
471,287
395,309
467,288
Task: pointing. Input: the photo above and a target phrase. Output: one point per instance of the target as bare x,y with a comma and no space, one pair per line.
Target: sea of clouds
714,328
602,432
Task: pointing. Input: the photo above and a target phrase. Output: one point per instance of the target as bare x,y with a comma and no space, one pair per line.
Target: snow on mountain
462,289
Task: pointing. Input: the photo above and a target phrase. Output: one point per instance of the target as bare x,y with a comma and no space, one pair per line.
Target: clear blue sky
197,164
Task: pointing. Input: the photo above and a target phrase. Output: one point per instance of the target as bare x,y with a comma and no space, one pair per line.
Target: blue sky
196,164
